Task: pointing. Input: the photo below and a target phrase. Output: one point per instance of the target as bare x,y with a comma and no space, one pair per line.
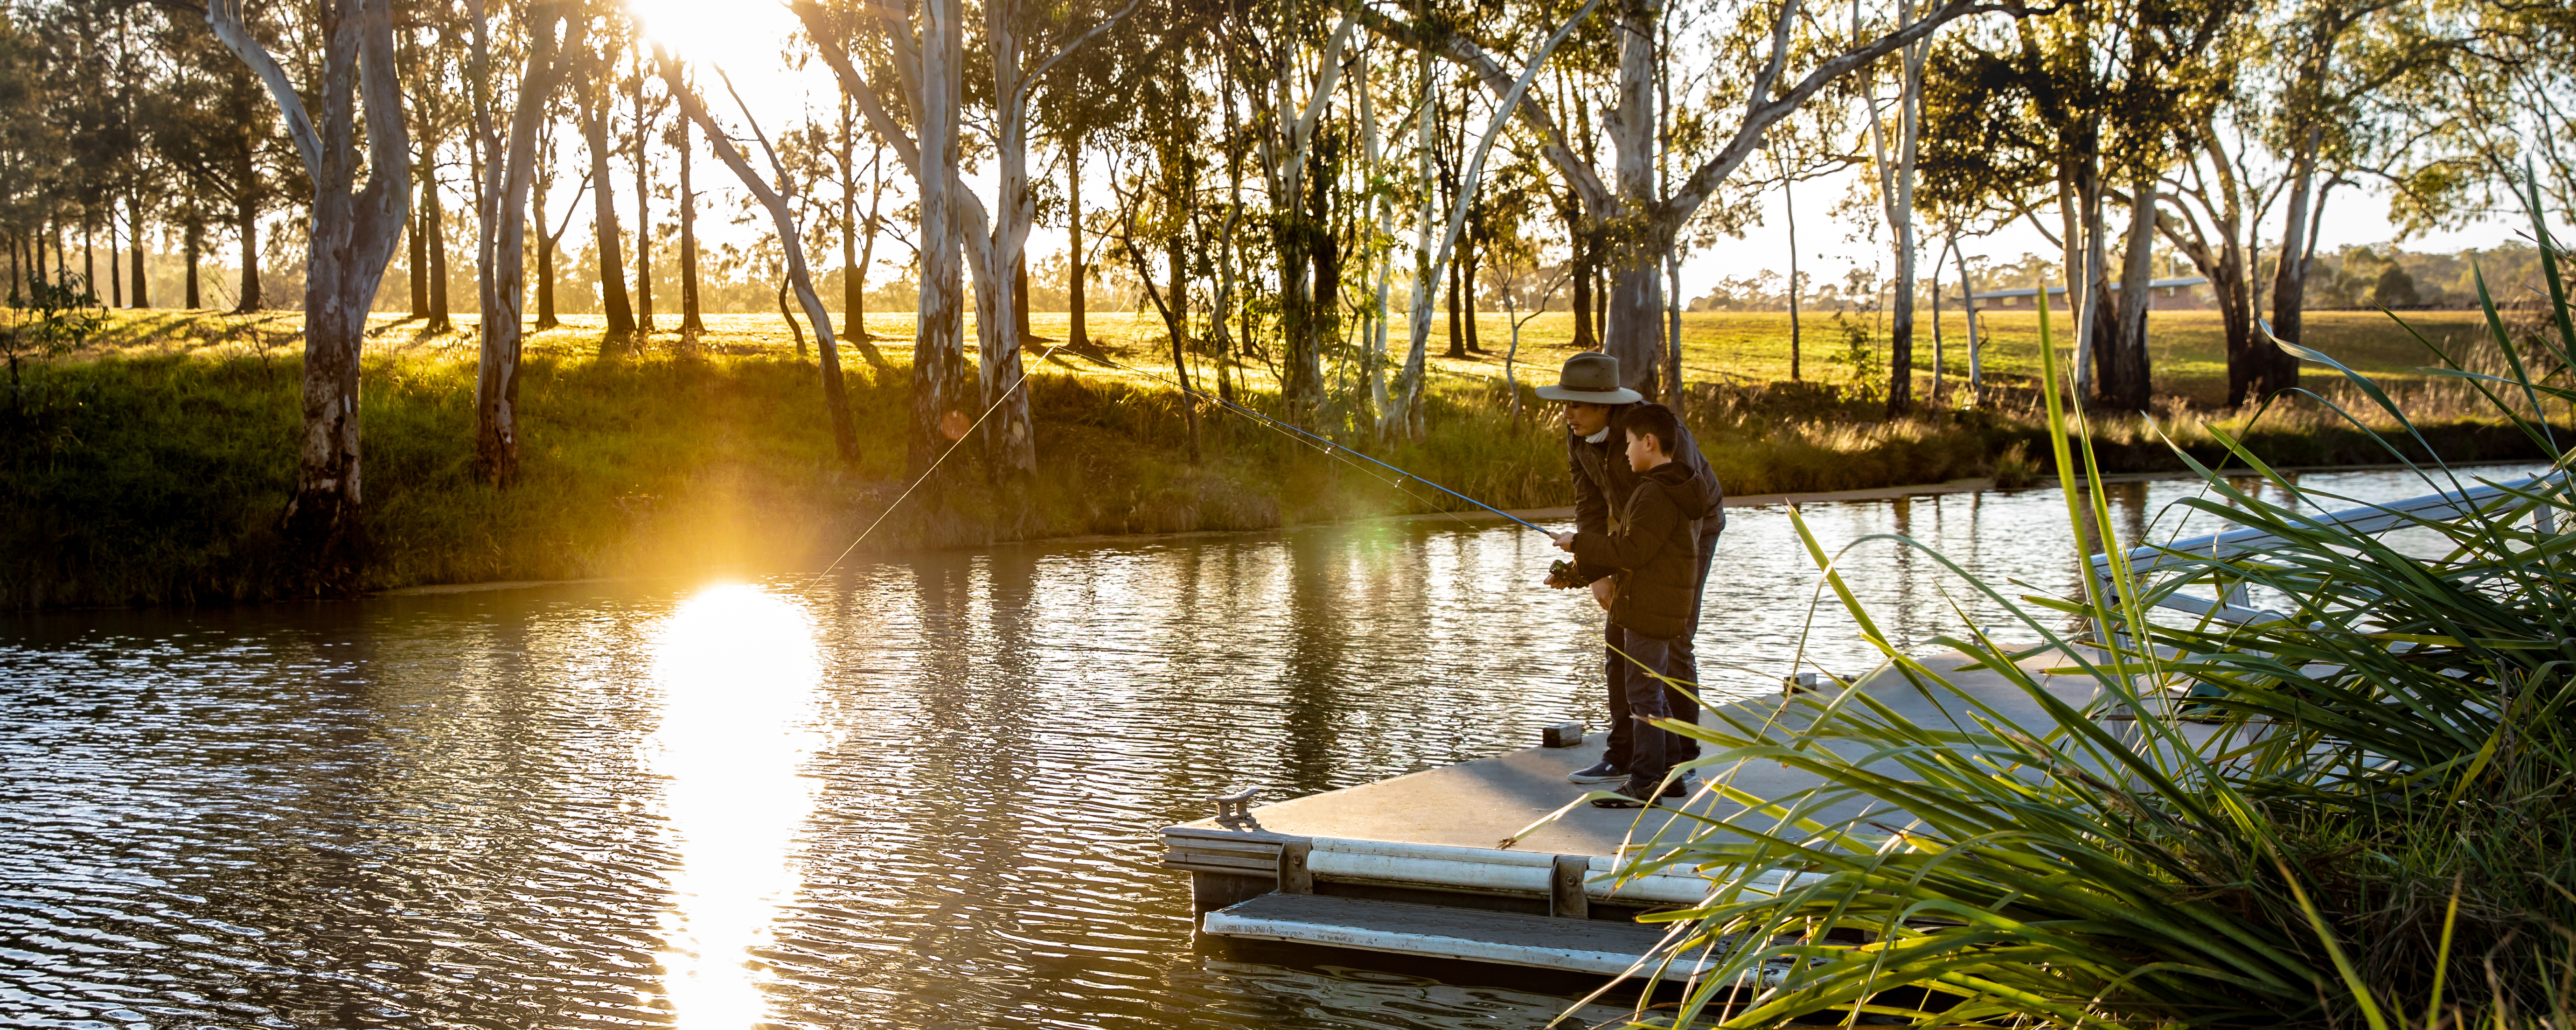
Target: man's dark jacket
1657,546
1602,480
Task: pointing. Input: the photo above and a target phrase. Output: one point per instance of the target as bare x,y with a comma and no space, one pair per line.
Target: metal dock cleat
1234,811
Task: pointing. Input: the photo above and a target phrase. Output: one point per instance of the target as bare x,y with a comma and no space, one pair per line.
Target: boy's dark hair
1654,420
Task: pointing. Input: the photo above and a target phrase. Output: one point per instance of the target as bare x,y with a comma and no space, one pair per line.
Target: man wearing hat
1589,388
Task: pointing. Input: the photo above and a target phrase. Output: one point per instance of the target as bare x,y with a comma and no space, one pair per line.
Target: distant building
2162,295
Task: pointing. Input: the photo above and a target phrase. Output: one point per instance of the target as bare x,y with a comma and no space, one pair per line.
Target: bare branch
1463,51
1760,113
224,16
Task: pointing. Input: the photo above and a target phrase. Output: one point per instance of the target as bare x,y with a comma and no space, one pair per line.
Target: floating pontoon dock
1417,865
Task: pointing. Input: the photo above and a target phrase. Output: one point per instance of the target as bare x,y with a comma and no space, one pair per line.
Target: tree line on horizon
1289,185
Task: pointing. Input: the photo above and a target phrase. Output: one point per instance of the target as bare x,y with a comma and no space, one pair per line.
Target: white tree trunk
1010,444
354,232
1976,343
939,358
1636,323
1381,253
1408,413
500,258
791,240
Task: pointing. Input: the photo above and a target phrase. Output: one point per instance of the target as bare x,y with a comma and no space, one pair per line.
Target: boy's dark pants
1682,664
1651,751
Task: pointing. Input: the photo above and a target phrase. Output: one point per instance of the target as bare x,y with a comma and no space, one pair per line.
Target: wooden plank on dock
1573,945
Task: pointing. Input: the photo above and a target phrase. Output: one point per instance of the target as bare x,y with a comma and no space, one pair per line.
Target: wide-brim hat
1591,377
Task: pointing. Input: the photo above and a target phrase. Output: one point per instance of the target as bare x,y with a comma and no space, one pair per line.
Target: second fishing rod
1330,446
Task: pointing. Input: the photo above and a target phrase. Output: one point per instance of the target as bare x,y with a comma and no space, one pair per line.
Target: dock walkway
1427,864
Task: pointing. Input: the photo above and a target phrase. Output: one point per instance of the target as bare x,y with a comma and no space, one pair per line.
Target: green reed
2354,812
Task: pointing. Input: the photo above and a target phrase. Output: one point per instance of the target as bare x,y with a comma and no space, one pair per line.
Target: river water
921,792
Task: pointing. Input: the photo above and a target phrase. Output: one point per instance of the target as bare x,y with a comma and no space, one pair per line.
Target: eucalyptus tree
1961,209
687,202
214,128
1165,211
1771,59
355,225
1896,185
596,97
1403,415
30,151
773,193
920,114
640,146
550,241
857,255
2214,201
1378,248
2081,109
1291,64
136,75
2345,85
1085,96
220,133
508,124
2493,116
100,135
439,111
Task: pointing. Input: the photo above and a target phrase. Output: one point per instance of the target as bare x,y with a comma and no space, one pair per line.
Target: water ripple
919,794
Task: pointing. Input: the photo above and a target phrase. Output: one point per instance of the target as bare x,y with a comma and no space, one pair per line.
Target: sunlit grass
150,466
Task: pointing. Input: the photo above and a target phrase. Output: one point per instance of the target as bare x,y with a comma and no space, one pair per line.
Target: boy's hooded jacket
1603,483
1657,543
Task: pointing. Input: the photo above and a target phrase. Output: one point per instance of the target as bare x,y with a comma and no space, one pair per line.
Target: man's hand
1601,592
1565,541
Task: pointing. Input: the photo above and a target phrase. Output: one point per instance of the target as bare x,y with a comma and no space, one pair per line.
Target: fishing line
943,458
1397,484
1333,449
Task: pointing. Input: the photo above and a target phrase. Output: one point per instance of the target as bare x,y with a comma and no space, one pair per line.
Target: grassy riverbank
150,467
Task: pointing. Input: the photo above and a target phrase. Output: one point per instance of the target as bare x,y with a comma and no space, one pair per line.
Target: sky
745,40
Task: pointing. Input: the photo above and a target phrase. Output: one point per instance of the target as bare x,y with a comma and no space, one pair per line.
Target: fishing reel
1561,569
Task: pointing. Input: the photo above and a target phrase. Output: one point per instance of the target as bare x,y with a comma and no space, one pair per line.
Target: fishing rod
1331,447
942,459
1328,446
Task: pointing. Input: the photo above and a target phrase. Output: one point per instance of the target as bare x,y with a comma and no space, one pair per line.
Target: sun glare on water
737,669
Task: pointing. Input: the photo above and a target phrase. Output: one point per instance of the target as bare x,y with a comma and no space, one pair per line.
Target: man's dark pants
1682,664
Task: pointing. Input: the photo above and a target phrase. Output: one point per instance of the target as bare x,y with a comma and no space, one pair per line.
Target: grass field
150,466
2186,348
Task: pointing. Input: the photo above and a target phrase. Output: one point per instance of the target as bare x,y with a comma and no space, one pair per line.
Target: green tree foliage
2069,109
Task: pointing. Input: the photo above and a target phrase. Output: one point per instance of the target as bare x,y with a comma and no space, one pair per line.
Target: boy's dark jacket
1657,542
1603,483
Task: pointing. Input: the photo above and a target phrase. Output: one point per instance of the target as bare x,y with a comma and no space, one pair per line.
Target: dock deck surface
1480,803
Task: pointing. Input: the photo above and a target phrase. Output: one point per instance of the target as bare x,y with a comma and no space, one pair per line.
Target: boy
1589,388
1656,548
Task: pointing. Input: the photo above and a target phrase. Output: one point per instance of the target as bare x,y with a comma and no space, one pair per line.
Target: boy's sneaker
1633,795
1624,799
1598,772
